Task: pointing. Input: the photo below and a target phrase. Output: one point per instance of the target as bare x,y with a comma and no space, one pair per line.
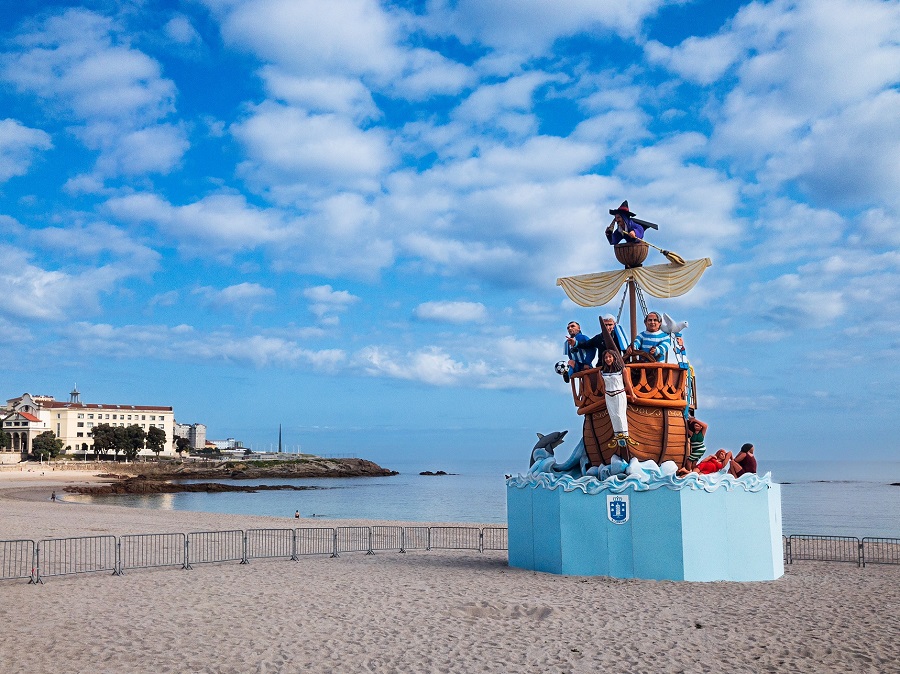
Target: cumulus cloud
183,343
529,27
326,300
246,298
32,292
221,222
451,312
18,147
81,65
292,153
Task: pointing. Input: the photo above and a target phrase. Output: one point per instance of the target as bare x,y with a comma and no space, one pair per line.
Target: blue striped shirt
647,340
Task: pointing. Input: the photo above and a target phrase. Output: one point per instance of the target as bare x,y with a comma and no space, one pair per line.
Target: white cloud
18,147
31,292
95,239
315,38
327,300
246,298
81,65
220,222
183,343
451,312
181,31
292,153
531,26
345,96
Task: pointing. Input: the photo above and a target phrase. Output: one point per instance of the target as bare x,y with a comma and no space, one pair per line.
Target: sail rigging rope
621,305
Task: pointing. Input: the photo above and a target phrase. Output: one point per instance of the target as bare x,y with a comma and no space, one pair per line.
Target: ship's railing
654,384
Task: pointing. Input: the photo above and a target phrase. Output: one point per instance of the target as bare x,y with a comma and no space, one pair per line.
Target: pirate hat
623,209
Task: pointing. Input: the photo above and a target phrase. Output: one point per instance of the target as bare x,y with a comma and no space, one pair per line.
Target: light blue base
686,534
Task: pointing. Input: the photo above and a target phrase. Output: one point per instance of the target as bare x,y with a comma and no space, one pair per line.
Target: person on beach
744,462
653,340
578,359
623,229
53,496
697,436
296,514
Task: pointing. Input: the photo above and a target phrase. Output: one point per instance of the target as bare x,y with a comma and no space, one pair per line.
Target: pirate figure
623,229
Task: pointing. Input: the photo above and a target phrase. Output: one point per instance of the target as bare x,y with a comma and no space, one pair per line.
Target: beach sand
423,611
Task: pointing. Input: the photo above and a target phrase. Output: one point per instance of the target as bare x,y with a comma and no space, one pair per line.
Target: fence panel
315,541
880,550
387,538
85,554
144,551
455,538
494,538
824,548
416,538
16,559
353,539
270,543
207,547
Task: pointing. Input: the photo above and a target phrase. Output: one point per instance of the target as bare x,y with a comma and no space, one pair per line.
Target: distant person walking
53,496
296,514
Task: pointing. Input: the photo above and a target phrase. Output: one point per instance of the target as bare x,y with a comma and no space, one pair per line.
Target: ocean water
824,498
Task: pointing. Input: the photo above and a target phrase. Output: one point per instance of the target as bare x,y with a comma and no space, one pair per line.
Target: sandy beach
434,611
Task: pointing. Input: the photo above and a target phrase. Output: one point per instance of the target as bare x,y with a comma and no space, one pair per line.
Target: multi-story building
28,416
195,433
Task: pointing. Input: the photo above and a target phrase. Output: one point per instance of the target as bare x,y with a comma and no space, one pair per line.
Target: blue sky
347,216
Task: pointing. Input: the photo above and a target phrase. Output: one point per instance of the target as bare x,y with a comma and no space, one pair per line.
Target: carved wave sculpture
647,481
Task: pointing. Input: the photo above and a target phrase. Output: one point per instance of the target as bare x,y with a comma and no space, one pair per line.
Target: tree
134,439
103,439
182,445
46,445
5,440
156,440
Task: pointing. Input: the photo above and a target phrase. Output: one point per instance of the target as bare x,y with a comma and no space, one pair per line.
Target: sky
348,216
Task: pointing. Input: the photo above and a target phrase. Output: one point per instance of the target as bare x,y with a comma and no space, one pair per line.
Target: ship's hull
660,435
656,421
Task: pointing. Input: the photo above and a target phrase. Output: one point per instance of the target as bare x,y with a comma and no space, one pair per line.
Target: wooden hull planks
656,423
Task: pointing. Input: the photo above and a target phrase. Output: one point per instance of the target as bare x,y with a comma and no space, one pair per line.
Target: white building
195,433
28,416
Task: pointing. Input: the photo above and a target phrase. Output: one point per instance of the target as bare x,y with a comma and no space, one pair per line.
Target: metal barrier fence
144,551
91,554
208,547
85,554
314,541
454,538
824,548
387,538
417,538
260,543
353,539
17,559
880,550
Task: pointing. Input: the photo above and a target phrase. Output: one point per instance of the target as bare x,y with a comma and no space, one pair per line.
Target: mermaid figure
618,391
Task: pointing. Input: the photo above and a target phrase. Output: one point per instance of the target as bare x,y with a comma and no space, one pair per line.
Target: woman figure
618,391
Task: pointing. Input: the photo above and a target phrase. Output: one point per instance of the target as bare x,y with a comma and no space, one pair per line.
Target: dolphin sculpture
546,444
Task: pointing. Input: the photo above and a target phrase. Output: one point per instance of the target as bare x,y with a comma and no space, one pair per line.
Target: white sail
661,280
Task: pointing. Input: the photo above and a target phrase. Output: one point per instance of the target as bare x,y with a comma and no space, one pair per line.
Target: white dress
616,401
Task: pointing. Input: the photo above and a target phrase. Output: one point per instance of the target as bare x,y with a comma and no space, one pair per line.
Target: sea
818,497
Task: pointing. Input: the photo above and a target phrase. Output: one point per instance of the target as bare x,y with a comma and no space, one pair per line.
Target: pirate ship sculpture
664,393
617,506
